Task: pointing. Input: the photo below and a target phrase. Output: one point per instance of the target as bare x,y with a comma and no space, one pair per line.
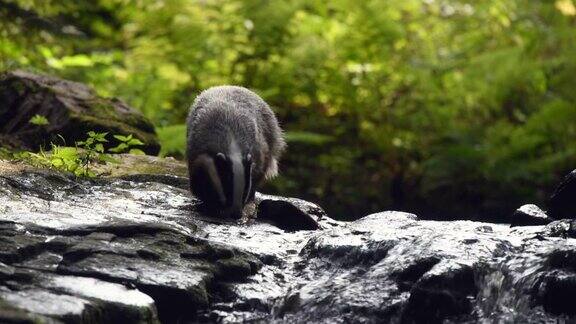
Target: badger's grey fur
233,144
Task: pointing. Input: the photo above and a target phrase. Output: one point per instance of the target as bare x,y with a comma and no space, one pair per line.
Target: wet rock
556,291
87,255
289,214
444,293
562,204
529,215
132,248
565,228
72,109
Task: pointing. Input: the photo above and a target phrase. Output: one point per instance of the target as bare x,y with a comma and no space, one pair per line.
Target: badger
234,143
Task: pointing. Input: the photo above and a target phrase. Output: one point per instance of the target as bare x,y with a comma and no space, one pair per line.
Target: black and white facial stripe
223,181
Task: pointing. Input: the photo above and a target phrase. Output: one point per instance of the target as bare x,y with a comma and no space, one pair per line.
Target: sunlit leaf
39,120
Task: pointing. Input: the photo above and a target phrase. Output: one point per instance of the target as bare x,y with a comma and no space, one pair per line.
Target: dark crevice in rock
234,269
118,228
408,276
347,255
289,214
556,292
439,296
562,259
285,216
176,305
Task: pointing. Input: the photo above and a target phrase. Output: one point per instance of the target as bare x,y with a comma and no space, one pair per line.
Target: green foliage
173,139
65,159
78,159
127,144
386,104
39,120
73,159
307,138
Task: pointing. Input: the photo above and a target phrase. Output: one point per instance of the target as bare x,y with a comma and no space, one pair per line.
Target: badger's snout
222,182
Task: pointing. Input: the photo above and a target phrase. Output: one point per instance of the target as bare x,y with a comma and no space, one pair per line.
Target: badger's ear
248,188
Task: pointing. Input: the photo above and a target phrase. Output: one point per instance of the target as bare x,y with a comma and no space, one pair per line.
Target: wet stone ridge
82,263
134,250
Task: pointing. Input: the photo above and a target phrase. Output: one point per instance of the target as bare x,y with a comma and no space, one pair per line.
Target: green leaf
57,162
39,120
121,138
107,158
101,137
79,60
134,142
136,151
66,153
120,148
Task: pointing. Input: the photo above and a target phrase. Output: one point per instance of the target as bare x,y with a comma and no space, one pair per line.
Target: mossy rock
143,168
71,108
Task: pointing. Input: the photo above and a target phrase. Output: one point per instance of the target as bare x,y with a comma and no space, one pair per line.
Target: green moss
145,165
81,124
102,108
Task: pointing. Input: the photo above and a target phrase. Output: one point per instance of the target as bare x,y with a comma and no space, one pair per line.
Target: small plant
77,159
127,144
94,148
93,145
39,120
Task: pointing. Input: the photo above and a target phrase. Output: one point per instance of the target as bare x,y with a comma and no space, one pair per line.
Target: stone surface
137,251
72,110
289,214
529,215
565,228
562,202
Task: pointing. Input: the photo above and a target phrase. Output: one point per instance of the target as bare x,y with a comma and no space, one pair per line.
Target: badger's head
223,181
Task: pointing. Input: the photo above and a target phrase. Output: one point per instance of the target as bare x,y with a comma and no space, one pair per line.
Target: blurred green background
451,109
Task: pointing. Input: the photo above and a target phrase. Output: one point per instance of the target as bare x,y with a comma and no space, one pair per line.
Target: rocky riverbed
133,249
